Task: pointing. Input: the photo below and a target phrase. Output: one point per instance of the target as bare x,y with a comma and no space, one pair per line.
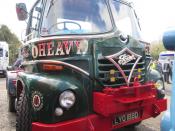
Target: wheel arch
20,86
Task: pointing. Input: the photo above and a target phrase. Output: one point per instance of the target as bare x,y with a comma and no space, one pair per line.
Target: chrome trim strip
103,78
125,49
120,69
59,62
106,35
132,70
120,84
110,58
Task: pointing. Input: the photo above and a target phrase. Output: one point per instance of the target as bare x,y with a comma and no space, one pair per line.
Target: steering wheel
64,25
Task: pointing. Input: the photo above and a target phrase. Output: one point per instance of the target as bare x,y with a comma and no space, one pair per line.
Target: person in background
170,71
167,71
153,65
156,65
159,67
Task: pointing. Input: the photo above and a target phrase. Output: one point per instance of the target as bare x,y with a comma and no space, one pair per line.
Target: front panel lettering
54,48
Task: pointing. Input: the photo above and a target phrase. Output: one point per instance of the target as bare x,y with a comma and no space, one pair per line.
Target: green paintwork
51,84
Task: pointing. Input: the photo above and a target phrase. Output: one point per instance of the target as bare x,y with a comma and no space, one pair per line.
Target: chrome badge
122,58
125,58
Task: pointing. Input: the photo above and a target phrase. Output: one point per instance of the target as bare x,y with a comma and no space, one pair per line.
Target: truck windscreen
75,17
125,19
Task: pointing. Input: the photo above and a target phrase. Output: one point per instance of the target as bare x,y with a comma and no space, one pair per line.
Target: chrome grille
104,67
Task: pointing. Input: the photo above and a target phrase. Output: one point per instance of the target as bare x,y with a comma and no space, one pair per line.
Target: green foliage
12,40
156,48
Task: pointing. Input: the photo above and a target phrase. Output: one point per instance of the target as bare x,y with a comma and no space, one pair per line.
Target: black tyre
133,125
11,102
4,74
23,117
160,94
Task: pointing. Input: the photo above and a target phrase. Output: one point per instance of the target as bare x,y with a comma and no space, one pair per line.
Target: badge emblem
123,58
37,101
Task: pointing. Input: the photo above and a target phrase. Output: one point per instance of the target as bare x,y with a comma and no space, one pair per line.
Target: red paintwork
108,104
123,99
14,82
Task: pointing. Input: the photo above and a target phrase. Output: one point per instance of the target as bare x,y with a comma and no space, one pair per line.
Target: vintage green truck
85,68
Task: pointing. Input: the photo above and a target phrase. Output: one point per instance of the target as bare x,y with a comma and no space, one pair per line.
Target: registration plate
126,117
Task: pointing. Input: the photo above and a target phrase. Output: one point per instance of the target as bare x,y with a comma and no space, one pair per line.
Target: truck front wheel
23,117
11,103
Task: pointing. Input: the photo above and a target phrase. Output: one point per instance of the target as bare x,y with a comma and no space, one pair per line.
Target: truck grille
105,66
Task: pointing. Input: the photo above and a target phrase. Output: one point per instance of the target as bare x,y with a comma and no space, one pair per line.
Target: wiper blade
51,4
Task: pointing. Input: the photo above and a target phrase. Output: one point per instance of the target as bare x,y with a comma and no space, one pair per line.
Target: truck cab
85,68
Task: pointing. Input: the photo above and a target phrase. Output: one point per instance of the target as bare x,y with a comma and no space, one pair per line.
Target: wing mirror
169,39
21,11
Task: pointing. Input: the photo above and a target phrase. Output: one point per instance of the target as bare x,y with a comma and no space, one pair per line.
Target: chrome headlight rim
159,84
67,99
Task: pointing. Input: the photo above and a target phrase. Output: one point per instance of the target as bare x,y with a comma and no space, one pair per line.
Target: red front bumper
110,103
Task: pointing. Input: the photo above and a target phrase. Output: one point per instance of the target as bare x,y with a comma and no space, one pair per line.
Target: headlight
67,99
159,84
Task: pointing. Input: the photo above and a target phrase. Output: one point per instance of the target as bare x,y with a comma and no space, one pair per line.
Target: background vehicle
168,120
4,57
165,56
11,79
85,68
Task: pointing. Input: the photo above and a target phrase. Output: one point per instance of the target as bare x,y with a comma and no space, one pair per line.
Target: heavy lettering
42,49
59,50
50,51
34,51
68,46
77,43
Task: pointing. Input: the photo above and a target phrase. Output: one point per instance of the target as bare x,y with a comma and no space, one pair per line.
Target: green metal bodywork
52,84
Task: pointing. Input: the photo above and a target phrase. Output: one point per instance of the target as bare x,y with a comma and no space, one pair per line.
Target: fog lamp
58,111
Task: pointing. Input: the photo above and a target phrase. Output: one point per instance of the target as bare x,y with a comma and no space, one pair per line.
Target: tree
12,40
156,48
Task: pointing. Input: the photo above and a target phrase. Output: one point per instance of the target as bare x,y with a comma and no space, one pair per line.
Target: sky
155,16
